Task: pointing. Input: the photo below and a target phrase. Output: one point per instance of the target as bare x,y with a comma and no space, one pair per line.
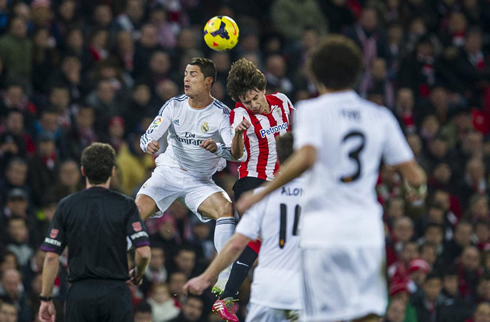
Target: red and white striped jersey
260,140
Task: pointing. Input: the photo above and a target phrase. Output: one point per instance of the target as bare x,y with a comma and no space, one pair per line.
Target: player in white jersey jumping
199,137
340,141
276,291
257,121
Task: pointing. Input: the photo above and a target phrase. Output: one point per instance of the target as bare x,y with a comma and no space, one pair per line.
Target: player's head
98,162
199,76
284,147
246,84
335,63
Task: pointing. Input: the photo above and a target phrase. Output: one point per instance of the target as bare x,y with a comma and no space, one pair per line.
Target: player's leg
159,191
146,206
244,263
218,207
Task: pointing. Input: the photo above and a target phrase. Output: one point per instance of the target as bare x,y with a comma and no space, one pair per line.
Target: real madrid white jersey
352,136
187,128
260,140
275,220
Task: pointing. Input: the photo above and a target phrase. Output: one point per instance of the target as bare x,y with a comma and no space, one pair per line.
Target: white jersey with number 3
275,220
352,136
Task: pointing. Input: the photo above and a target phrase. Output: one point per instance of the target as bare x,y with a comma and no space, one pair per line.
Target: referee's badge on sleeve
54,233
137,226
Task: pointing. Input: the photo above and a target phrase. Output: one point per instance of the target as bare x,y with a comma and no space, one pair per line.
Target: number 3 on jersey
354,155
283,223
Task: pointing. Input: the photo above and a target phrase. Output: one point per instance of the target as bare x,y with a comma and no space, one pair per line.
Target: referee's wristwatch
45,298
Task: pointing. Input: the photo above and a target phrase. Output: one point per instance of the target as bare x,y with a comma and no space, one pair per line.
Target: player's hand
243,126
153,147
247,200
209,145
135,278
47,312
197,285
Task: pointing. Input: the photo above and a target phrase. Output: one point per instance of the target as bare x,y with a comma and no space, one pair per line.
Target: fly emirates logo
273,130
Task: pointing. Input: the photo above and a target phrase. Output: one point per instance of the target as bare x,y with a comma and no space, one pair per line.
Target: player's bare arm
293,168
237,144
230,252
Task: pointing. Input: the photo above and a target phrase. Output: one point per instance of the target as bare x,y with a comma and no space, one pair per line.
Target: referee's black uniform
93,224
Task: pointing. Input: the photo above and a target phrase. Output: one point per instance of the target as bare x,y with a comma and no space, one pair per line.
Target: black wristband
45,298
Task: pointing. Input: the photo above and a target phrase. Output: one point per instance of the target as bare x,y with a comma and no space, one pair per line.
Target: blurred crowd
73,72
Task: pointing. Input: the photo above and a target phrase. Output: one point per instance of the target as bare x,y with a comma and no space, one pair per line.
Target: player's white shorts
169,184
343,283
266,314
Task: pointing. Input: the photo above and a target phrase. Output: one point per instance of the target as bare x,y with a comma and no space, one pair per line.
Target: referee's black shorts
245,184
99,300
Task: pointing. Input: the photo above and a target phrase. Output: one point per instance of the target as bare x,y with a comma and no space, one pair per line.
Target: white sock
225,227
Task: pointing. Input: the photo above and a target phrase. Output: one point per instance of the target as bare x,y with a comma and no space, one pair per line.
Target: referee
93,224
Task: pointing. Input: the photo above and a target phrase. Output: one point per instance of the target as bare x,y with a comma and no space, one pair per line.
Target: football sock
225,226
239,272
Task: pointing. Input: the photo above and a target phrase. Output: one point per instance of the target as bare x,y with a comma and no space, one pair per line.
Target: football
221,33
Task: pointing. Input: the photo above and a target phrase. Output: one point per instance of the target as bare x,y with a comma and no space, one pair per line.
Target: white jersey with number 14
275,220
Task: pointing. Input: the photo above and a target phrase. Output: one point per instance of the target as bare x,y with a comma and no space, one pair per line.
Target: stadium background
73,72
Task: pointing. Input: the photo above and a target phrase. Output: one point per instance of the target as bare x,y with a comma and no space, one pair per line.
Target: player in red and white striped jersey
256,121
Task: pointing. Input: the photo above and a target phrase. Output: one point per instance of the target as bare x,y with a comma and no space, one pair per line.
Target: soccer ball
221,33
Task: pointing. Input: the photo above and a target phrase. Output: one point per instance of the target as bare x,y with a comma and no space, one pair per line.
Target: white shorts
169,184
343,283
267,314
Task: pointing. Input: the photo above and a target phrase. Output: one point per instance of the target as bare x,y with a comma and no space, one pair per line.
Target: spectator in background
162,304
68,181
481,313
15,177
143,312
18,236
8,312
461,240
469,272
139,106
43,166
289,18
396,311
132,164
11,292
16,49
176,282
156,272
82,133
144,49
191,310
429,302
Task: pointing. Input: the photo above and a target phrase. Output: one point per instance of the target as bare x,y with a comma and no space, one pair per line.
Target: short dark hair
284,146
98,160
207,66
336,62
243,77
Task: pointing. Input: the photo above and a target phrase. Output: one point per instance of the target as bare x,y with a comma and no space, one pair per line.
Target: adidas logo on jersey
177,122
273,129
